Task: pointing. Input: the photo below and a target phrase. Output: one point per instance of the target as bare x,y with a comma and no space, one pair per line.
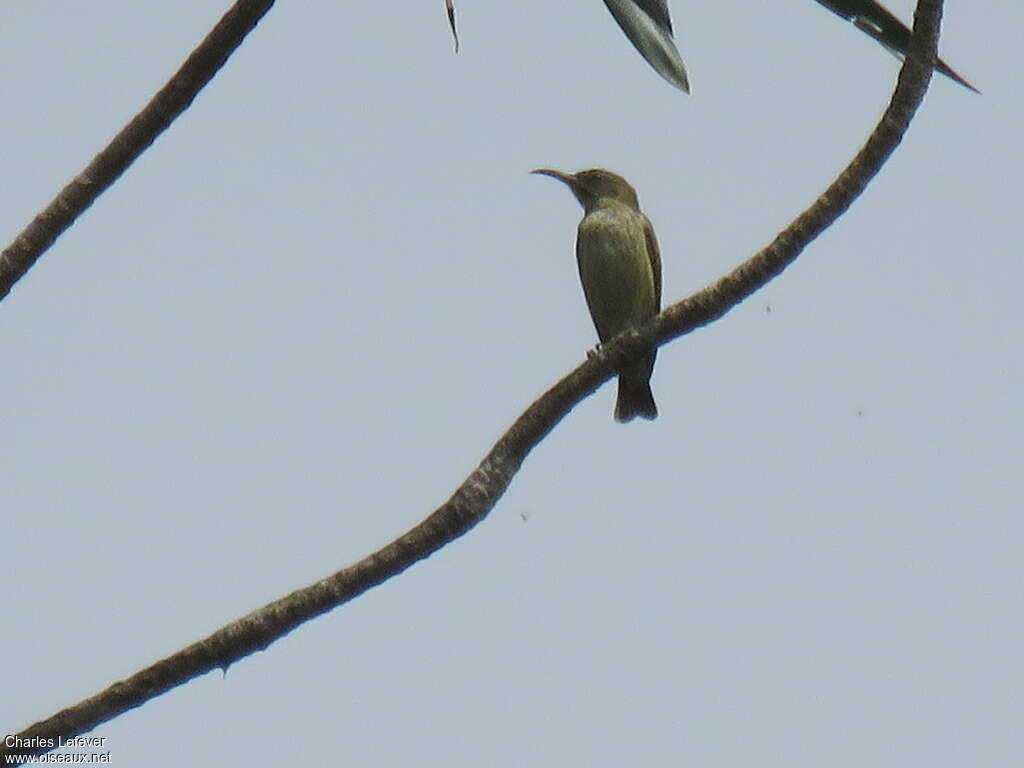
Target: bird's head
595,184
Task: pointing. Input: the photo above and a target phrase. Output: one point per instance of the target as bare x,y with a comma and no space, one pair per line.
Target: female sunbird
620,268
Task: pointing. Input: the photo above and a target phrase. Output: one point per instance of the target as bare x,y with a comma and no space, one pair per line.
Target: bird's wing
878,22
654,256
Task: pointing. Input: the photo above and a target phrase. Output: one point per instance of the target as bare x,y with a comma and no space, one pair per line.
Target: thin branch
713,302
173,99
475,498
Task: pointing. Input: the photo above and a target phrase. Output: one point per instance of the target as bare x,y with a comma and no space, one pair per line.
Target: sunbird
620,269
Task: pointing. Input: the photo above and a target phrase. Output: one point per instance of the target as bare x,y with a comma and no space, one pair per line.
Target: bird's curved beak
565,178
570,180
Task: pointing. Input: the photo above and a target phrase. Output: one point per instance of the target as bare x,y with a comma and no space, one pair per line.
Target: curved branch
134,139
481,490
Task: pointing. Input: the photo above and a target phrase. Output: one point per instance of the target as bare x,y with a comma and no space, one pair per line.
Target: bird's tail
635,397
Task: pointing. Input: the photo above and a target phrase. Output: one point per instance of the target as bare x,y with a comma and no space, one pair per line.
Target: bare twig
134,139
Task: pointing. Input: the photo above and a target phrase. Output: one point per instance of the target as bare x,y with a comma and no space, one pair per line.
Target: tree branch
134,139
474,499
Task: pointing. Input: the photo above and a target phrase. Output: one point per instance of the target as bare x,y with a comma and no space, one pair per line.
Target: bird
878,22
648,26
620,269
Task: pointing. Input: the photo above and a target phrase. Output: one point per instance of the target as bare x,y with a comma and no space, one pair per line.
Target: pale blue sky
300,319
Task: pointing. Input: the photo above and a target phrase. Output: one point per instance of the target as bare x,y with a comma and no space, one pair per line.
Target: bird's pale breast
615,269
